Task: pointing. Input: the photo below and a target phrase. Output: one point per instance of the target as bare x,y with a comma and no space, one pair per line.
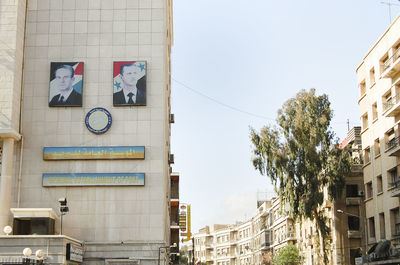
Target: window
355,253
353,223
379,187
382,225
392,177
387,101
362,88
395,221
372,76
377,147
369,190
371,226
396,52
374,111
390,138
38,226
351,190
364,121
396,96
384,62
367,155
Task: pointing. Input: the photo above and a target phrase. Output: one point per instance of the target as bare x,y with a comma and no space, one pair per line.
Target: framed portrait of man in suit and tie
129,83
66,82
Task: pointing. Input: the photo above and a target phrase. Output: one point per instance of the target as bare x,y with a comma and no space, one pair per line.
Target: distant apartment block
258,239
248,242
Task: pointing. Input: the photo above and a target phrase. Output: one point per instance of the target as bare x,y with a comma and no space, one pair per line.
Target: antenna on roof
389,4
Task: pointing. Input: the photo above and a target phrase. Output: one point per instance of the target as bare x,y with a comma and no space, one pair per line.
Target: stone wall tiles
96,32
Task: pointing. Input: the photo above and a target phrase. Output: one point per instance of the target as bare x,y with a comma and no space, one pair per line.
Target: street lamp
167,247
365,229
29,261
63,210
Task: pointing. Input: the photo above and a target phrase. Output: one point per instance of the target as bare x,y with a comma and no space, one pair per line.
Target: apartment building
85,128
282,226
205,243
378,78
224,243
245,243
256,240
348,211
345,216
262,234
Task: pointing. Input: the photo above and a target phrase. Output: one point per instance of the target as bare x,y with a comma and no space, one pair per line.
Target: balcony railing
393,143
396,188
353,201
265,245
354,234
391,102
391,60
290,235
395,184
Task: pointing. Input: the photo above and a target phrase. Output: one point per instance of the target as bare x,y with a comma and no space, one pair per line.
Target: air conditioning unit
360,193
171,118
171,159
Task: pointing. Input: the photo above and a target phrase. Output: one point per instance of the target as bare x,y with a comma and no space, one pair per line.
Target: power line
221,103
236,108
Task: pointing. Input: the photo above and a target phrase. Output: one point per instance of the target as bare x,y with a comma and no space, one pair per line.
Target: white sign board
74,252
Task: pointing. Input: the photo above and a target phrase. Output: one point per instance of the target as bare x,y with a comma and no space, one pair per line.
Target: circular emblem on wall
98,120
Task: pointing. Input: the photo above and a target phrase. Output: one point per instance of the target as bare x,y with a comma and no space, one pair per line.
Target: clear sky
253,55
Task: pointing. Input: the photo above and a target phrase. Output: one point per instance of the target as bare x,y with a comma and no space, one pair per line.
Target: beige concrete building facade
378,80
243,243
112,223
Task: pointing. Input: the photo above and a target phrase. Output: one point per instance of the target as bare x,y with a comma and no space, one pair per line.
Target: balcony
393,147
353,201
209,246
174,226
11,248
396,189
174,189
356,168
210,258
265,246
291,236
392,65
174,202
354,234
392,106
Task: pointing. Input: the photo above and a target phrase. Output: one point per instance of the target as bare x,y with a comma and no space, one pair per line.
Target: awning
33,213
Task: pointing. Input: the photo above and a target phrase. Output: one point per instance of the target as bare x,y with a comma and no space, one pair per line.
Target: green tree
298,157
288,255
183,258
